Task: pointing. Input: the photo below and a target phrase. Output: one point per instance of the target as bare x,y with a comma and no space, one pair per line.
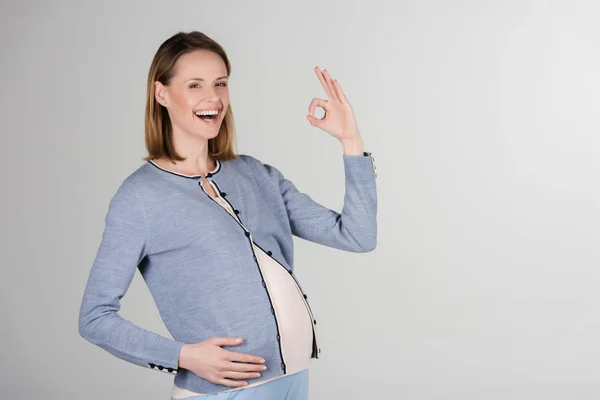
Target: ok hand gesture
339,119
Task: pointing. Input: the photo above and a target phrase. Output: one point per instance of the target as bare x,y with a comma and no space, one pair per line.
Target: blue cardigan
198,261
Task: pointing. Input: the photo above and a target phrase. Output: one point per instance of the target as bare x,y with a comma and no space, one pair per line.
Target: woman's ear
161,94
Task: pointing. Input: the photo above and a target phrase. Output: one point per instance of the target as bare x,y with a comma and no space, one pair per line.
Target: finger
234,356
316,122
242,367
229,382
316,102
339,91
240,375
330,84
225,341
324,83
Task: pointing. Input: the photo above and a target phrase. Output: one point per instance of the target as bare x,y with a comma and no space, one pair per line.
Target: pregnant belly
293,318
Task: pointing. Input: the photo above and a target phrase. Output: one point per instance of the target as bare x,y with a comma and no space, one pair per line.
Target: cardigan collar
208,175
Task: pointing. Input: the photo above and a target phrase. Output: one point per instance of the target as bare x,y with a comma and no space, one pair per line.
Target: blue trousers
290,387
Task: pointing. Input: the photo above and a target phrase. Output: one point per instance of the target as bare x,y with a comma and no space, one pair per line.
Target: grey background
482,116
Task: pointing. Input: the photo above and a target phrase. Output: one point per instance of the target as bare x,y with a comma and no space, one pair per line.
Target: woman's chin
207,132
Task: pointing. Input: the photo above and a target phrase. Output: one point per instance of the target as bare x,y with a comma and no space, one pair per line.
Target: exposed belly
293,318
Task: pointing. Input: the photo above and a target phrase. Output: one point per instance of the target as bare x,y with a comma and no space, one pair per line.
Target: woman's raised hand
339,119
209,361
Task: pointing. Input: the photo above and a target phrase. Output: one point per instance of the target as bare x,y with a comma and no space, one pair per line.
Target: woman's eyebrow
200,79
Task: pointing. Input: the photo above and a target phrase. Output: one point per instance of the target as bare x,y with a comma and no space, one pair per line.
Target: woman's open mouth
210,116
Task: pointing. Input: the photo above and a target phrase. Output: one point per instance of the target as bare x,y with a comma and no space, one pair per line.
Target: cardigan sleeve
122,248
355,228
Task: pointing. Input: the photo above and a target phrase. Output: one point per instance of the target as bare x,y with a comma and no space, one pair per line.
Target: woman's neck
187,167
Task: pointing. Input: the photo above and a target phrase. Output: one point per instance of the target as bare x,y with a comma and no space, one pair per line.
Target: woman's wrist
182,356
353,146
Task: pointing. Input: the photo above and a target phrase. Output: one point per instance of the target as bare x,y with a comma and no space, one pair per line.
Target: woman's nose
212,97
211,93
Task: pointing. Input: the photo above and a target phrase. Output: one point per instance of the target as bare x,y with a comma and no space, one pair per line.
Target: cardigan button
272,311
208,175
290,271
278,337
247,234
305,296
236,211
315,321
223,194
282,365
152,365
264,284
269,252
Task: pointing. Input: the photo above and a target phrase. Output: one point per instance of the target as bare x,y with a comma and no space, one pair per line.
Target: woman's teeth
207,114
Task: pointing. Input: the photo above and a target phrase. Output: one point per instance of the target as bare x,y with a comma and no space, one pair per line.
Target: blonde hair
158,129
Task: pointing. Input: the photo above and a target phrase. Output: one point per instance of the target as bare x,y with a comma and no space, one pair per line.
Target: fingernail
264,367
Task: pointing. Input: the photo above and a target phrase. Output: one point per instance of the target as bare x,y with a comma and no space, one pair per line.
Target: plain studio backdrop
482,116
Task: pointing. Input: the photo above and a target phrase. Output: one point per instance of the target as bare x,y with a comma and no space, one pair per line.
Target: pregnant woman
211,234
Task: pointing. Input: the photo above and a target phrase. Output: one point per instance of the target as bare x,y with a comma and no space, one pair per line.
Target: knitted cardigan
198,261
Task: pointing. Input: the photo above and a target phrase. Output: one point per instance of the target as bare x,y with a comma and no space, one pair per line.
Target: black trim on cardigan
208,175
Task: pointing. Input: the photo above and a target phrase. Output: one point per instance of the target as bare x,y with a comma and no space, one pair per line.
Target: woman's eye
197,85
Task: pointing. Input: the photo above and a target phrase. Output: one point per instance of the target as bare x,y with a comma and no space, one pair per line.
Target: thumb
315,121
227,341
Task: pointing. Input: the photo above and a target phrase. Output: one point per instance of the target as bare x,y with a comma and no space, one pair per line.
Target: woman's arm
122,248
355,228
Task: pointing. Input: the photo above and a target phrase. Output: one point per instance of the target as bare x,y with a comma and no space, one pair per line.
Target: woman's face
199,84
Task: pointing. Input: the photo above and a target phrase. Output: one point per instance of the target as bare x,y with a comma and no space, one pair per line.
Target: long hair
158,128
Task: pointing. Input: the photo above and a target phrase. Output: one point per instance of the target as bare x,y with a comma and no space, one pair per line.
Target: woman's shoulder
131,184
140,175
263,170
256,163
250,164
248,161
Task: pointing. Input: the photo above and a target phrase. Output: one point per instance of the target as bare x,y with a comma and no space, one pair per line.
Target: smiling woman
212,231
188,79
